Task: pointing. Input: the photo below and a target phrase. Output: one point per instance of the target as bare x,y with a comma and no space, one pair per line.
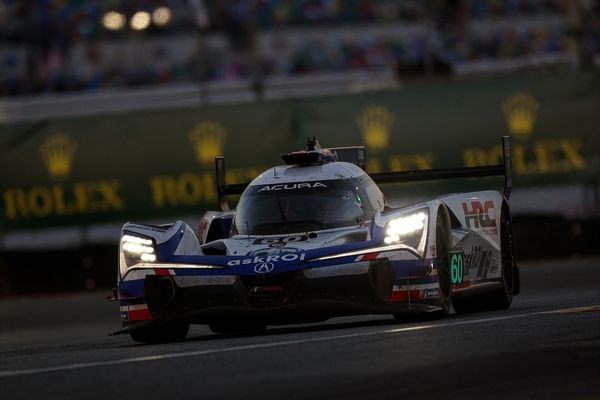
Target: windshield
298,207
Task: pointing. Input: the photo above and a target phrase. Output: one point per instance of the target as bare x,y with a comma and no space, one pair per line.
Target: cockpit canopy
283,208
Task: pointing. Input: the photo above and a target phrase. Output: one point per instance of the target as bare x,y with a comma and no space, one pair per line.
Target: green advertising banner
145,165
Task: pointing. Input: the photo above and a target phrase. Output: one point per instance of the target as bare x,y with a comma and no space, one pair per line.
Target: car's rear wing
461,172
356,155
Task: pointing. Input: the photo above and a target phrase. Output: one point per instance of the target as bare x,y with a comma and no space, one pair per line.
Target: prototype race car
315,239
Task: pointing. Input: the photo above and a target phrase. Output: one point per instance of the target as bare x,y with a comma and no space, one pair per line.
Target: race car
315,239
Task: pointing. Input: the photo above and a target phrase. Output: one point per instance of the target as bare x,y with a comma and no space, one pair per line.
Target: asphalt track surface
547,346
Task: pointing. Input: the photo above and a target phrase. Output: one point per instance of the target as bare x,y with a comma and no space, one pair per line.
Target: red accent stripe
402,295
463,285
140,315
162,272
370,256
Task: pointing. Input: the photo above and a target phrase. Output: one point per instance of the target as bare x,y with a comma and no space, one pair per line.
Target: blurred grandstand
51,46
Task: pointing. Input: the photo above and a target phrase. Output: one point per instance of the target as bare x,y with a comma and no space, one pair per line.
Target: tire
501,298
161,334
233,328
442,245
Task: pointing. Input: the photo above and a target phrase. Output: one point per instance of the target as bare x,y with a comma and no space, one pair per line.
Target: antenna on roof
312,144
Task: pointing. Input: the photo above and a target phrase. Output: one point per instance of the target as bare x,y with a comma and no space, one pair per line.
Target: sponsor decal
280,241
272,250
267,259
292,186
479,259
480,215
456,268
264,268
431,293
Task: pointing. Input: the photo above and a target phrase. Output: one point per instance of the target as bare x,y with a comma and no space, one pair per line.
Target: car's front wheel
442,244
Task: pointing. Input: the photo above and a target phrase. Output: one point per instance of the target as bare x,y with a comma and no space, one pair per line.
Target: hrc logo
480,215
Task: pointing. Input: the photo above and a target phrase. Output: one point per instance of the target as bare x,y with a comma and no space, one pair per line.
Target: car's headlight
135,249
409,230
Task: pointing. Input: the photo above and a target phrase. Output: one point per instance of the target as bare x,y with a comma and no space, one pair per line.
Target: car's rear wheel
175,332
500,298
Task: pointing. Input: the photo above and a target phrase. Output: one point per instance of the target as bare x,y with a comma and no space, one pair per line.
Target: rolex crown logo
375,124
208,139
520,110
57,153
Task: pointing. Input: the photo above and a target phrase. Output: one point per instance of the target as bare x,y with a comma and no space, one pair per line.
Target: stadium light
161,16
140,20
113,20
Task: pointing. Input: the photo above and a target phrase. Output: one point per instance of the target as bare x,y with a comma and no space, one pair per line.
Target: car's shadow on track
383,320
323,327
298,329
402,321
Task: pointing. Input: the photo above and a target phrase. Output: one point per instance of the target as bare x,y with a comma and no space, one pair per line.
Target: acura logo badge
264,268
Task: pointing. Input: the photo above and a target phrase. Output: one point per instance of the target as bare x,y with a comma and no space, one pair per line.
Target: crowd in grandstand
74,45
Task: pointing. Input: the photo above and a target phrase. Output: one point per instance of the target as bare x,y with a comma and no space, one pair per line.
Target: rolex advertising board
160,164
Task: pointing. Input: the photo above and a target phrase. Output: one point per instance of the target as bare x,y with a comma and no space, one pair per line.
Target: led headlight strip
138,247
402,227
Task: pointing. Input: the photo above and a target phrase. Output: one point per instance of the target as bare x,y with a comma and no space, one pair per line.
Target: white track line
33,371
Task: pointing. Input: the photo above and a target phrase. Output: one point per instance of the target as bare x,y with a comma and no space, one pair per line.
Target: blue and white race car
315,239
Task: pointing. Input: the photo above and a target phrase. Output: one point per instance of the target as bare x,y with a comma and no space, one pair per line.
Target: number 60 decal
456,268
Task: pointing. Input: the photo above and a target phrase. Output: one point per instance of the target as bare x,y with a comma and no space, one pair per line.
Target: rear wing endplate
356,155
223,189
